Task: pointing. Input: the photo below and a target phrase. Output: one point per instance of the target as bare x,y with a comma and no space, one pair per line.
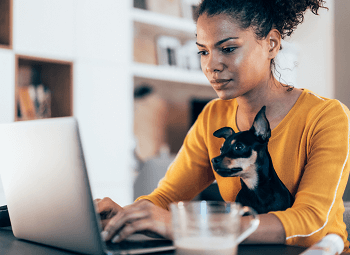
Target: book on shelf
26,104
188,57
42,99
167,49
140,4
34,98
171,52
34,102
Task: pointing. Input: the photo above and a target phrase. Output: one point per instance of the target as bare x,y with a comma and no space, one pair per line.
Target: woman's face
234,61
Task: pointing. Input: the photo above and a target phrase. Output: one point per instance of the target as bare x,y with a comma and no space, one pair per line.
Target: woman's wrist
270,230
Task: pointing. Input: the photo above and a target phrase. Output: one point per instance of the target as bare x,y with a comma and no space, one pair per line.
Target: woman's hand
139,217
107,209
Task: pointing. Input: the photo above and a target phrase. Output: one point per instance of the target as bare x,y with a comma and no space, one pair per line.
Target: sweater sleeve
189,174
318,201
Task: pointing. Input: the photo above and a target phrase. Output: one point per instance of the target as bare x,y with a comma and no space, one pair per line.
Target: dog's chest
270,197
250,176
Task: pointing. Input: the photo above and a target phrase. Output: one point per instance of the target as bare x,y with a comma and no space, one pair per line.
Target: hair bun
263,15
288,14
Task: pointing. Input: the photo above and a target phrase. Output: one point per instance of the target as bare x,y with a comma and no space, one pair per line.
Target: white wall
342,59
342,52
97,37
7,86
313,44
7,94
103,94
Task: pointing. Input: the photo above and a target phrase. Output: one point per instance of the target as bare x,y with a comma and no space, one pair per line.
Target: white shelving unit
169,74
179,87
88,63
182,28
165,21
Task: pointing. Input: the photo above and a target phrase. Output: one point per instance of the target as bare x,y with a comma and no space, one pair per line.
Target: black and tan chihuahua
245,154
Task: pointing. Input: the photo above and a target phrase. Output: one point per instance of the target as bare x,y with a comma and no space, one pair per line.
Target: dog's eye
238,147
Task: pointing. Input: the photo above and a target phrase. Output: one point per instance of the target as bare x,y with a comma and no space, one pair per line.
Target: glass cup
208,227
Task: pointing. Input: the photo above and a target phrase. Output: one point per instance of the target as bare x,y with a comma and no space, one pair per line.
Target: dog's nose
215,160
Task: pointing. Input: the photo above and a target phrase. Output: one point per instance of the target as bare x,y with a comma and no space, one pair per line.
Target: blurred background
130,73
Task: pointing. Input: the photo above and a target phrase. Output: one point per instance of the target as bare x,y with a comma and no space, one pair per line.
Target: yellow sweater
309,151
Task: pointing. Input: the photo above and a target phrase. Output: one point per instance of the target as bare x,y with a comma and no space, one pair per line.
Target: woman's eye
228,49
202,52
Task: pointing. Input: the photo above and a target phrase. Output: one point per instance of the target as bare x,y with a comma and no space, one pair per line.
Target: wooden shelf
6,24
166,73
55,74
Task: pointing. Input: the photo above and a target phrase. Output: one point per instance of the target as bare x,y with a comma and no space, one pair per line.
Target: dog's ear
261,126
223,132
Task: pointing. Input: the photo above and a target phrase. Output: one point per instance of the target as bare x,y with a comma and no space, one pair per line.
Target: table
9,245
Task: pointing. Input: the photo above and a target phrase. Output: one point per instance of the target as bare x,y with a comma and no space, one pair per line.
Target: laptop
48,193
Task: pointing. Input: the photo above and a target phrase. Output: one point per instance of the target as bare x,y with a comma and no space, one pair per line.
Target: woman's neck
277,99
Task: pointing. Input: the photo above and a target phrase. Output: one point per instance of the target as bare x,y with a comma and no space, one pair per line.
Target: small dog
245,154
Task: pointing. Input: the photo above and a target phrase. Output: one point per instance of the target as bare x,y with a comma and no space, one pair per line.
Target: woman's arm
322,159
270,230
189,174
140,217
147,218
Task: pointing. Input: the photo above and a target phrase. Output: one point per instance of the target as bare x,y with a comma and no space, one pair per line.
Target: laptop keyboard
138,244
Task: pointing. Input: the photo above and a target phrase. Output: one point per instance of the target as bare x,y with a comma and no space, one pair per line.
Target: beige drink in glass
206,246
208,228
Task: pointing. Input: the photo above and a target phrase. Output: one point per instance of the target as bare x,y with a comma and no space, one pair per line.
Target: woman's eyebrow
219,42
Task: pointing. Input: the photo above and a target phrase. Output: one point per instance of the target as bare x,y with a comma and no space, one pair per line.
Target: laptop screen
48,192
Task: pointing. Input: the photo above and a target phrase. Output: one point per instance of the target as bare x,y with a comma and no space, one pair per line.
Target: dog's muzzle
223,170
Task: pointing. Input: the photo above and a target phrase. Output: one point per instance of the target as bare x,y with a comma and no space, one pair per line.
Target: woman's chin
224,96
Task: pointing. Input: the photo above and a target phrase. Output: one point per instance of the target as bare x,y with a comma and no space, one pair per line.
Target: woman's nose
214,63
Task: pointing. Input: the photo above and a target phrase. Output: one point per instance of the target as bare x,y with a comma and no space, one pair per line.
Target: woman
238,41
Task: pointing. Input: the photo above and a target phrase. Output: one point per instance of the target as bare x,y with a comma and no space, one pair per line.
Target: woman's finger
136,226
151,219
121,219
162,228
97,200
104,222
107,208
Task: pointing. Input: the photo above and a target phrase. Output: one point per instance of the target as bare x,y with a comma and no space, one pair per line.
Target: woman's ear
274,40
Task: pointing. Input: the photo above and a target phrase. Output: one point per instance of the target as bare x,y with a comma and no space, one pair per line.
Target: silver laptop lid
42,163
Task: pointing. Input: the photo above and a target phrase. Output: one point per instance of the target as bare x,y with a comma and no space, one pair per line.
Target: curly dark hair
262,15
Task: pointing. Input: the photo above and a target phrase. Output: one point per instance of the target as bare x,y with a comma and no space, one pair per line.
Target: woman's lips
220,83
